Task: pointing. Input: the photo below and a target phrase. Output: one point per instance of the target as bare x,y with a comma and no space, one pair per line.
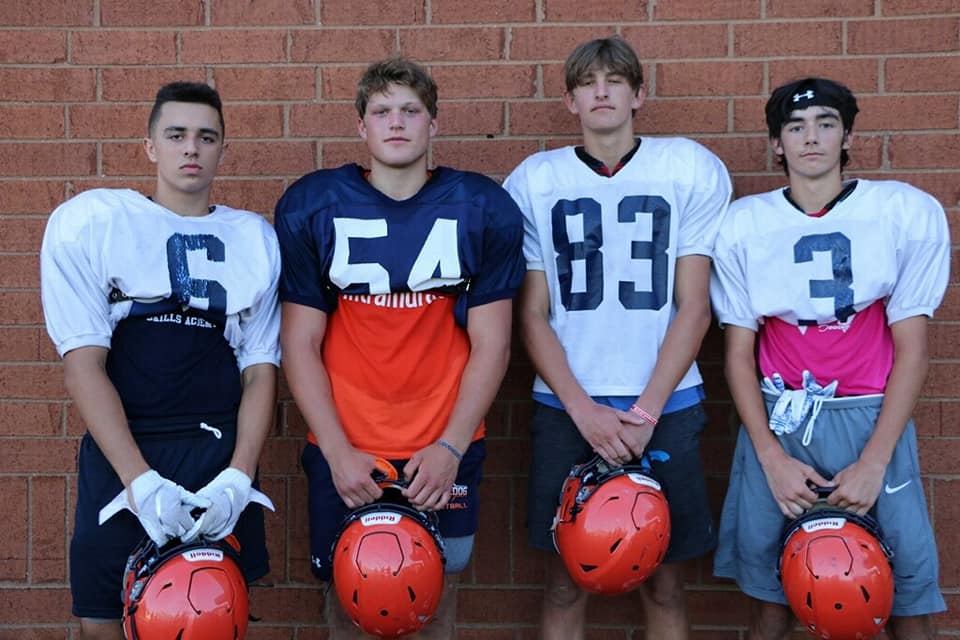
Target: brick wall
76,80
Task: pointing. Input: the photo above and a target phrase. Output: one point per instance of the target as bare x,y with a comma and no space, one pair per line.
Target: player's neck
813,194
398,183
609,148
182,203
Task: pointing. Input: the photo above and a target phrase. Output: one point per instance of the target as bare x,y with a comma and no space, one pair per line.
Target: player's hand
229,494
352,471
601,427
163,506
636,432
789,480
430,472
858,486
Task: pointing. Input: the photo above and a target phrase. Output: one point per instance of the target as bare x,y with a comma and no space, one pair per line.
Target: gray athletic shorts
557,445
751,522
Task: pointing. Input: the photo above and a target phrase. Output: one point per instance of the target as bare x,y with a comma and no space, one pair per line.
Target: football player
164,309
618,237
825,287
396,293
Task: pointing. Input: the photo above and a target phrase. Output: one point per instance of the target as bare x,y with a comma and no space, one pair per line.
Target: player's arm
786,476
859,485
301,338
434,468
255,416
598,424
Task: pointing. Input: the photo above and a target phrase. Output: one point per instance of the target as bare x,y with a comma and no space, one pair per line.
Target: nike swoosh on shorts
890,490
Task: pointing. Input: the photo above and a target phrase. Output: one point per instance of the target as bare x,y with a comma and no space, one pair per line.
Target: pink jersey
858,353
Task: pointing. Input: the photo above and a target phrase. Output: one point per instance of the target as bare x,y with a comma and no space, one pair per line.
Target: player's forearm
741,373
550,360
255,416
910,363
310,386
102,411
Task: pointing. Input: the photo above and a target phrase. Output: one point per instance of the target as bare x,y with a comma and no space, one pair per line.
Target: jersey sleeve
517,186
707,205
73,290
260,323
923,259
728,280
302,278
502,268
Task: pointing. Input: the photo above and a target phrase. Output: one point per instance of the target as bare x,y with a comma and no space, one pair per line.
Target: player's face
397,127
811,141
605,102
186,144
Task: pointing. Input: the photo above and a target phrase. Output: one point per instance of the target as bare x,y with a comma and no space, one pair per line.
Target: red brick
945,502
34,121
927,151
334,154
340,45
100,120
482,11
48,515
21,234
261,159
944,340
280,455
944,186
861,75
30,196
31,606
19,271
749,185
145,185
123,47
597,11
471,118
749,116
739,154
31,382
683,117
263,12
907,7
47,85
484,156
709,78
486,81
288,604
151,13
125,159
21,307
819,9
46,159
223,45
30,418
338,120
542,117
942,380
866,153
903,36
252,121
696,10
36,455
33,47
935,73
787,39
52,13
266,83
879,113
35,633
13,542
453,43
550,43
141,83
340,83
668,41
21,344
253,195
512,606
388,12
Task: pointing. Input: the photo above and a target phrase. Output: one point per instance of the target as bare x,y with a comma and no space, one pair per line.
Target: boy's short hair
197,92
614,54
810,92
381,74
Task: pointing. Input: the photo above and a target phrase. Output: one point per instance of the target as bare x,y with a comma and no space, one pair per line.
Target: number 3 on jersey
589,251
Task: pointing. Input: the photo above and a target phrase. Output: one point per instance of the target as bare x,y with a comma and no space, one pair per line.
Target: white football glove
229,494
162,506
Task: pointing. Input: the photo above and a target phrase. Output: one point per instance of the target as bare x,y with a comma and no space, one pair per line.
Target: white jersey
107,250
609,247
885,241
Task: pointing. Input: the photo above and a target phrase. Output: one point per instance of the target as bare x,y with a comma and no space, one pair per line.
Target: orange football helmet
192,591
612,527
836,573
388,564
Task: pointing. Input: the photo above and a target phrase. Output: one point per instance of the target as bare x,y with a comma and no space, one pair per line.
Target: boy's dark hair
810,92
613,53
197,92
380,75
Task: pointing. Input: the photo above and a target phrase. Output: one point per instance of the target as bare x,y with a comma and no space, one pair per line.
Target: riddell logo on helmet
823,523
646,481
203,555
380,517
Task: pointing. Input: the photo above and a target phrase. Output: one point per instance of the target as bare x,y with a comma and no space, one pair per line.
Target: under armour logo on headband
806,95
